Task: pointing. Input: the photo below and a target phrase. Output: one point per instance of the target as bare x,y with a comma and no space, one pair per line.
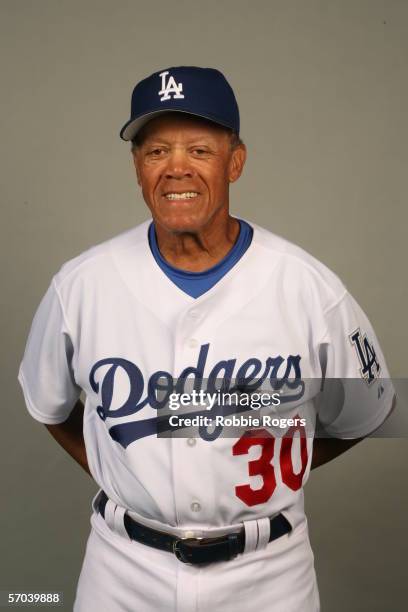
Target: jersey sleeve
357,392
46,373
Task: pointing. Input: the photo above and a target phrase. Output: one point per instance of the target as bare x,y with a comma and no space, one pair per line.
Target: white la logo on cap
171,87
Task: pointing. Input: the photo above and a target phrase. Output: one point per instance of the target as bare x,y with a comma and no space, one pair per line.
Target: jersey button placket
190,456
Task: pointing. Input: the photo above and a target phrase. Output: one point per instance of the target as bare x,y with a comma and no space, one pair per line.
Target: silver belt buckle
179,552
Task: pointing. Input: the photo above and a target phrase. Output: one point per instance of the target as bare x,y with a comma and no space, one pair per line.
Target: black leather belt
195,551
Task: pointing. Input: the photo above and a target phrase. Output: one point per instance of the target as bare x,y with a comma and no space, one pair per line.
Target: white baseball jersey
113,325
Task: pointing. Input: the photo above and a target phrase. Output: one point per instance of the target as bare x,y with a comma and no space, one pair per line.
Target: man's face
184,167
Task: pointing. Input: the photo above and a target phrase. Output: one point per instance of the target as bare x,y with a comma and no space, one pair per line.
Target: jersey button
192,343
196,507
191,441
193,314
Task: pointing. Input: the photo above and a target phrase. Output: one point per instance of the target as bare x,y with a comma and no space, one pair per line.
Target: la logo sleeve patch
369,365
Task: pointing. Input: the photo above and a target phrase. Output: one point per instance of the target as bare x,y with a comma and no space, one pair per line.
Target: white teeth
181,196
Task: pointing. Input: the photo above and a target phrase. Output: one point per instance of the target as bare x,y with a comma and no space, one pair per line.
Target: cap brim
131,128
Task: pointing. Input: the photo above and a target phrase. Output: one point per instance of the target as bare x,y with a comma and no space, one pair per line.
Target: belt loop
251,535
96,500
119,522
264,532
110,514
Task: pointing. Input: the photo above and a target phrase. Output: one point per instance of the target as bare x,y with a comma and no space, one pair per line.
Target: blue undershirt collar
197,283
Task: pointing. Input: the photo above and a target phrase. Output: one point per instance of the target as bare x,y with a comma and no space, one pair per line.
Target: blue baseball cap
203,92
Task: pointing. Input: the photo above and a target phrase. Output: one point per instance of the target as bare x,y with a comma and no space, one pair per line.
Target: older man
195,300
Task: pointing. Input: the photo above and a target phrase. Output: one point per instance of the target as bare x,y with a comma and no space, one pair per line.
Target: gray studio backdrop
322,88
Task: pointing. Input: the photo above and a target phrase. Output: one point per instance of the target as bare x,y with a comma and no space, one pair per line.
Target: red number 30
263,466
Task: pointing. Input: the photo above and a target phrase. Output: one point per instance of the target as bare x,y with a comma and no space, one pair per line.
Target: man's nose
178,164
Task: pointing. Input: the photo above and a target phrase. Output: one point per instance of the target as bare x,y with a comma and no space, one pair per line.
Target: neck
199,250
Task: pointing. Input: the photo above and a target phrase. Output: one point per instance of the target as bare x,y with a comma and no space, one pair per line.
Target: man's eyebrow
203,138
152,141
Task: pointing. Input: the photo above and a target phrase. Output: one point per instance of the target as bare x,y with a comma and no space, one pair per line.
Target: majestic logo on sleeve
276,371
370,367
171,87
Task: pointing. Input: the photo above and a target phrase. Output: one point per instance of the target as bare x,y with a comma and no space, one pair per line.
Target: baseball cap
204,92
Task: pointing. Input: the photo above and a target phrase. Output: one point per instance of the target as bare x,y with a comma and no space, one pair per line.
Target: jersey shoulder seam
328,310
337,303
282,251
61,305
63,275
87,257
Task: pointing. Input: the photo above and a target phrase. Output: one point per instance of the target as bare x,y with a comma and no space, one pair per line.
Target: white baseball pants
120,575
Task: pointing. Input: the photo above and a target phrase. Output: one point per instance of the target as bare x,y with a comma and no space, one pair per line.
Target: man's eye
199,151
156,152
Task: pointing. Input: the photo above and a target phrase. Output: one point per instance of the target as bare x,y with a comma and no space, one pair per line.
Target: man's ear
237,162
135,163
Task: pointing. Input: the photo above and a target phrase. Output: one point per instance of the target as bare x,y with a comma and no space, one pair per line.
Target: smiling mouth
186,195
